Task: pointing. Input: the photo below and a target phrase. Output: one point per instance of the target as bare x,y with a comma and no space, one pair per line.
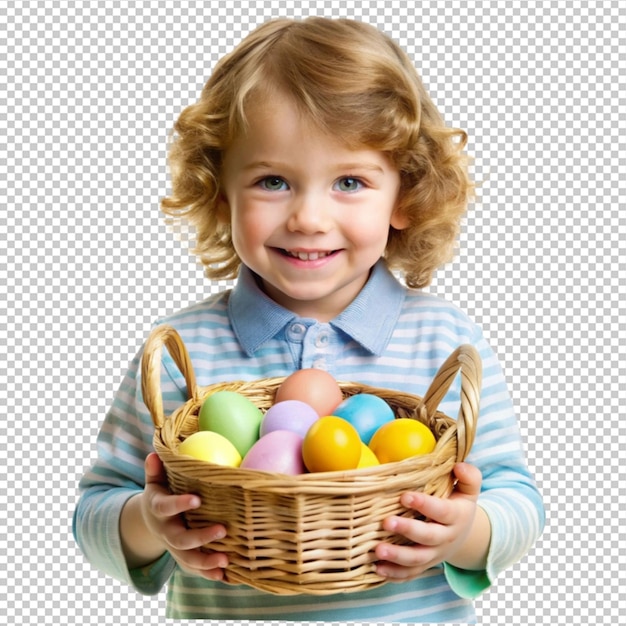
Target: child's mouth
307,256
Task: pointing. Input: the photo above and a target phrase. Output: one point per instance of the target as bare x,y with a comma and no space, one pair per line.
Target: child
313,164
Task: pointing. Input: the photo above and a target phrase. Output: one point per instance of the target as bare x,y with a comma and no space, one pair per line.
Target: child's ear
223,209
399,219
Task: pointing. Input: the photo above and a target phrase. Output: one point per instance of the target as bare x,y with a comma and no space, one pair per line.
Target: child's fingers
404,556
180,537
155,471
206,564
442,510
416,531
469,479
431,507
199,562
184,546
163,504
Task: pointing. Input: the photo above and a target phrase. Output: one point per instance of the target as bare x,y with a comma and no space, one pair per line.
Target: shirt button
298,329
322,340
319,364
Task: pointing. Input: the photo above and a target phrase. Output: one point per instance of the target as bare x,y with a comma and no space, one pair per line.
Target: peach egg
315,387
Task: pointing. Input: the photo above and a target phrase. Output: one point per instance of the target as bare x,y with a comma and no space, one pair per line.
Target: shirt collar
371,317
368,320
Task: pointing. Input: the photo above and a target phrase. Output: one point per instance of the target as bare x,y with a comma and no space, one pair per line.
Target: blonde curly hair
352,80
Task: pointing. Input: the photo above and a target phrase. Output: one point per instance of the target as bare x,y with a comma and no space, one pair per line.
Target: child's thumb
155,472
469,479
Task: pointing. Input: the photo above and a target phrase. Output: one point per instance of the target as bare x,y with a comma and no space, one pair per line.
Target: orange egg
331,444
401,439
315,387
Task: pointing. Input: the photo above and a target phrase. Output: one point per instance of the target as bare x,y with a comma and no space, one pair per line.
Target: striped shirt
390,337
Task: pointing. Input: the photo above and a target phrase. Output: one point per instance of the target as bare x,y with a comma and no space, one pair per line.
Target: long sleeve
123,443
509,495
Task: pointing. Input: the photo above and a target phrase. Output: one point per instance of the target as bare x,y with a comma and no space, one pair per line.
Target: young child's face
308,215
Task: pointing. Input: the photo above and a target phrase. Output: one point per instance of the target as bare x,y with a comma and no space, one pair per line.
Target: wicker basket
313,533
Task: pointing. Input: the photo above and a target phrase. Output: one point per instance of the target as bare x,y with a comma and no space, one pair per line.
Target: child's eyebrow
262,165
339,166
360,166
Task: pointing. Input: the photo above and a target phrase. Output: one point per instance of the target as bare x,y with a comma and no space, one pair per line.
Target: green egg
233,416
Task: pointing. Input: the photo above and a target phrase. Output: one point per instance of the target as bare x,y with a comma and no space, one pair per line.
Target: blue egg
366,412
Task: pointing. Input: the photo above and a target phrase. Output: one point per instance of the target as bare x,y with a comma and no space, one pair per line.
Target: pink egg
279,451
293,415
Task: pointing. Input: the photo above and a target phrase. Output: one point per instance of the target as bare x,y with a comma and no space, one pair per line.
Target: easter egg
315,387
279,451
331,444
366,412
211,447
291,415
368,458
401,439
232,415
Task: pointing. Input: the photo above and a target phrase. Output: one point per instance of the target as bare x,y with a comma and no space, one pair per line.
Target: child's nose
308,215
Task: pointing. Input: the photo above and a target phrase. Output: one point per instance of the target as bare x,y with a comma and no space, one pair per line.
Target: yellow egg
368,458
331,444
401,439
206,445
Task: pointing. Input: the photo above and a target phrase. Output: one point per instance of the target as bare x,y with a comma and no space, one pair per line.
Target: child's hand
442,538
162,514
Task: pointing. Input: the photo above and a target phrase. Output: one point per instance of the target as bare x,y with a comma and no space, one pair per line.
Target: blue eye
348,184
273,183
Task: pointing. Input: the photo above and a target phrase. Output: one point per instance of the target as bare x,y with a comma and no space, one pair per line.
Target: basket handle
151,369
467,359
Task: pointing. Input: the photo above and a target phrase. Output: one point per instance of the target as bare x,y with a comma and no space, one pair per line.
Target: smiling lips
307,256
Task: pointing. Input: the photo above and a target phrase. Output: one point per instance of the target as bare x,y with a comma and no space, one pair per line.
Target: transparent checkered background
88,93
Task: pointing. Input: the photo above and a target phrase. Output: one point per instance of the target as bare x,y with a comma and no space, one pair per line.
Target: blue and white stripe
389,337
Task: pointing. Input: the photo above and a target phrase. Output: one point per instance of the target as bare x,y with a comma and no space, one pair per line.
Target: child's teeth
308,256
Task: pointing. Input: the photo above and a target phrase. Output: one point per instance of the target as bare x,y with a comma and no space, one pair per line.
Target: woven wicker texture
313,533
